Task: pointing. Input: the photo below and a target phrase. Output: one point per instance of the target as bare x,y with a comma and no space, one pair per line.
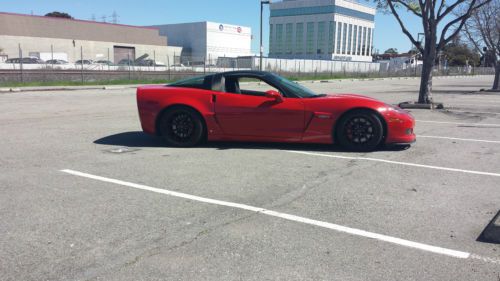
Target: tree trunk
425,94
496,83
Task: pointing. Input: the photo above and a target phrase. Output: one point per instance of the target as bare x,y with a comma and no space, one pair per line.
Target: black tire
181,126
360,130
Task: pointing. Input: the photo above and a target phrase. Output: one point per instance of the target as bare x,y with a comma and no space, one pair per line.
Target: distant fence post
108,60
168,65
52,55
21,63
128,62
154,60
81,61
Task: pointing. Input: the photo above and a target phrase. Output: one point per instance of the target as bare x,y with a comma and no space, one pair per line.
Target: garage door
123,53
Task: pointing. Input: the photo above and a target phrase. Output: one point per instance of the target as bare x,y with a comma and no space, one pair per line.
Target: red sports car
226,107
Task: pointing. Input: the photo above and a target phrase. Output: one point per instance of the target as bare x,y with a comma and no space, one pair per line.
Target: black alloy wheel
360,130
181,127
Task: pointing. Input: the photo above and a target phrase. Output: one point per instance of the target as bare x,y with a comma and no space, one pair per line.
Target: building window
360,31
357,49
299,38
271,39
363,50
279,39
339,38
310,38
362,41
344,39
331,37
288,38
354,37
350,39
369,42
321,38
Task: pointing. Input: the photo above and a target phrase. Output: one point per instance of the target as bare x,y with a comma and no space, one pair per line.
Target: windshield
295,88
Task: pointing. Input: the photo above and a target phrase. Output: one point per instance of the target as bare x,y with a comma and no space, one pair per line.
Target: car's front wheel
181,126
360,130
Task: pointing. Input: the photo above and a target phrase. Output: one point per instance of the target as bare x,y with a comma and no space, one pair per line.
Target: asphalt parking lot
87,196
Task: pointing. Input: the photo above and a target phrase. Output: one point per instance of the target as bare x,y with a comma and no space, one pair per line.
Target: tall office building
321,29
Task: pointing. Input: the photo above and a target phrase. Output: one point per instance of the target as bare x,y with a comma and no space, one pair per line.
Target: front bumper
400,128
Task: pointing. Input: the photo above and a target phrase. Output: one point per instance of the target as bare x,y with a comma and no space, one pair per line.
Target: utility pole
262,3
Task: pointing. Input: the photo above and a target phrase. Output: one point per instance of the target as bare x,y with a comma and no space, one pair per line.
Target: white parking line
336,227
397,163
459,139
472,112
457,123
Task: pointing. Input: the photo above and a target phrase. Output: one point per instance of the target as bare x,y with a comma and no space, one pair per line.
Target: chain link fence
174,66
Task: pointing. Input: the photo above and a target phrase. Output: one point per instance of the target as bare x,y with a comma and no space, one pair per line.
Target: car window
201,82
295,88
247,85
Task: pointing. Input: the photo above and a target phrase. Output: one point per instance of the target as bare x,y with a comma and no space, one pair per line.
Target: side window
196,82
247,86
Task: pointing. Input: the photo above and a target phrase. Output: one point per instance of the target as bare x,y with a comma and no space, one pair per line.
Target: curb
30,89
120,87
414,105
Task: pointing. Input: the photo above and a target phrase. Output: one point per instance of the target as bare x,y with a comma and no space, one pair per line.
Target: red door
259,116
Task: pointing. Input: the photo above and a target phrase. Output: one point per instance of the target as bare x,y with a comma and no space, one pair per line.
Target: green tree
441,21
391,51
483,31
459,54
56,14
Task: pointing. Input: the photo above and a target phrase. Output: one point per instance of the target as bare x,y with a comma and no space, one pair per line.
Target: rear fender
202,104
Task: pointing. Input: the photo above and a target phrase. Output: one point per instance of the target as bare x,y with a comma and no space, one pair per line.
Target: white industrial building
207,41
321,29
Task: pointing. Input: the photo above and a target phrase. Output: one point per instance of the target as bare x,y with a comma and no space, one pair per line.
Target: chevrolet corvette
260,106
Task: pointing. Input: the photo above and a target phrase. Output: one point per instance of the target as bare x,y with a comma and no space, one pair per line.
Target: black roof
246,72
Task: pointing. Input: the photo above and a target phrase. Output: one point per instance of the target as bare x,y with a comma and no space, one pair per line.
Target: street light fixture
419,41
262,3
418,38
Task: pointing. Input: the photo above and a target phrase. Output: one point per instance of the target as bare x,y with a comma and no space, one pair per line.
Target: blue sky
239,12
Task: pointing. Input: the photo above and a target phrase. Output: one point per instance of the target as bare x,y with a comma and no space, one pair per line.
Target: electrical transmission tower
115,17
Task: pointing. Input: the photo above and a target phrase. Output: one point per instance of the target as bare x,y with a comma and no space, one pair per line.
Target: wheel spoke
359,130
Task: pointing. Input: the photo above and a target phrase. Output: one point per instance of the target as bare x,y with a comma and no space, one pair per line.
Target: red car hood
351,96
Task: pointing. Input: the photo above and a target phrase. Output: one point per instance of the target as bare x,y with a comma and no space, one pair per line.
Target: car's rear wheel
360,130
182,127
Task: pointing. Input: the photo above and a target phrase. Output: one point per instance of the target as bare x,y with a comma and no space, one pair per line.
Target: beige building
59,38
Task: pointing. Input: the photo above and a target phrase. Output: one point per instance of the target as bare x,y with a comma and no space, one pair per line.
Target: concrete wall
50,27
309,66
225,40
94,50
192,37
209,40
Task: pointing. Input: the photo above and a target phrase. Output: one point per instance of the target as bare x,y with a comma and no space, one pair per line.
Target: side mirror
272,94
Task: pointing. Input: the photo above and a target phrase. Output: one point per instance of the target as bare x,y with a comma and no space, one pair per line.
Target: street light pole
262,3
418,50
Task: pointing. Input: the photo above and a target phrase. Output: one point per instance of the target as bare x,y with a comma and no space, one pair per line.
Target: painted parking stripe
336,227
457,123
396,163
472,112
459,139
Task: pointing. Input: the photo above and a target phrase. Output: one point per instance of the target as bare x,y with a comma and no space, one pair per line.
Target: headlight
397,109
